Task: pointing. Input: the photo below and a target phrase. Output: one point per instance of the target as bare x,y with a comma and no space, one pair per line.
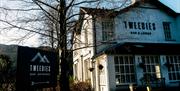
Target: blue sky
173,4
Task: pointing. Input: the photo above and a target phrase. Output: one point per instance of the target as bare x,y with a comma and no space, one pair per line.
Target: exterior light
100,66
91,69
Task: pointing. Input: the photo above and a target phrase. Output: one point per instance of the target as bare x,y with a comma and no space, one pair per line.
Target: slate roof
112,12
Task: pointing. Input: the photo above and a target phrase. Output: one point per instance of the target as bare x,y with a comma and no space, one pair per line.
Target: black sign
36,68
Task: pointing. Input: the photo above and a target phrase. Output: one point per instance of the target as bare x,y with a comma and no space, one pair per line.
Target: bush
80,86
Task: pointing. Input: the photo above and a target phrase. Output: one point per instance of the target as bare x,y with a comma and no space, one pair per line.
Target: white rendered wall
144,14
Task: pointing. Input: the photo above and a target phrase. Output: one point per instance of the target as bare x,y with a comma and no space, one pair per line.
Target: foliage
4,66
81,86
7,82
4,63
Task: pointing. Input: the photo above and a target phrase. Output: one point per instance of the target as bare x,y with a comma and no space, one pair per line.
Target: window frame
76,68
87,65
108,30
167,31
130,65
150,62
174,69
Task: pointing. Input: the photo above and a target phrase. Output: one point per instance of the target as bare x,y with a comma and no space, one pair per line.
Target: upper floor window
167,30
107,30
75,53
86,37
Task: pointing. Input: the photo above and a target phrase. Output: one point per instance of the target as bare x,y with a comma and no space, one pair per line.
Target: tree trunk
64,77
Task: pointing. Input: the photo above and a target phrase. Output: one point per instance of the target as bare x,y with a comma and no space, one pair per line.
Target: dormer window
107,30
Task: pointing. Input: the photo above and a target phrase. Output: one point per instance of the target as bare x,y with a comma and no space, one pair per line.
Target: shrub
80,86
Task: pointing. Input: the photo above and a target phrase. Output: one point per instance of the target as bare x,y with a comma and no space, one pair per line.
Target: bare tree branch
83,2
10,9
21,28
45,12
43,3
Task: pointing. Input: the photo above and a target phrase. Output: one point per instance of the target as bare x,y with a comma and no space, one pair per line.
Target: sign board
36,68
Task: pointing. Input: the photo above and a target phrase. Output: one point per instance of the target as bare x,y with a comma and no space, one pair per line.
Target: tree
60,17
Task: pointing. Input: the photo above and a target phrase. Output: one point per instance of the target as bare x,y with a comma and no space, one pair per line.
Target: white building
137,46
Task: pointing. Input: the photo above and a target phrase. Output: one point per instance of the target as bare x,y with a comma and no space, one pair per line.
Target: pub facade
136,47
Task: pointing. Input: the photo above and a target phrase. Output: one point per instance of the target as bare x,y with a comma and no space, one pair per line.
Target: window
86,37
76,70
150,65
75,52
167,30
87,72
174,69
107,30
124,69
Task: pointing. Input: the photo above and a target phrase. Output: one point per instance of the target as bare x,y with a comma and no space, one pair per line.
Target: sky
173,4
8,37
13,36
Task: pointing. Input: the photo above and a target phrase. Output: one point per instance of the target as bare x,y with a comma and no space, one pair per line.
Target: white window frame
76,69
108,30
87,65
124,69
174,69
167,30
150,62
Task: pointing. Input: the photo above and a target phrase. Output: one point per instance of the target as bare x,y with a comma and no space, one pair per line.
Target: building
136,47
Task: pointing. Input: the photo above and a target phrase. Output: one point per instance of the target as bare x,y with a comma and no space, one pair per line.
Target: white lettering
39,68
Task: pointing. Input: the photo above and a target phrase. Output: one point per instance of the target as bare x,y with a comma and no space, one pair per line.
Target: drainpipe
82,66
98,75
93,75
96,70
94,34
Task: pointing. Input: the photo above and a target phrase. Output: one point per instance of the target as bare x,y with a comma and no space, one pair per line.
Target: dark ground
153,89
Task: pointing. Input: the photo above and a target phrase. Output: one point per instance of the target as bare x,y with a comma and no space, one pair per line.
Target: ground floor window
76,70
124,69
151,66
87,71
174,67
